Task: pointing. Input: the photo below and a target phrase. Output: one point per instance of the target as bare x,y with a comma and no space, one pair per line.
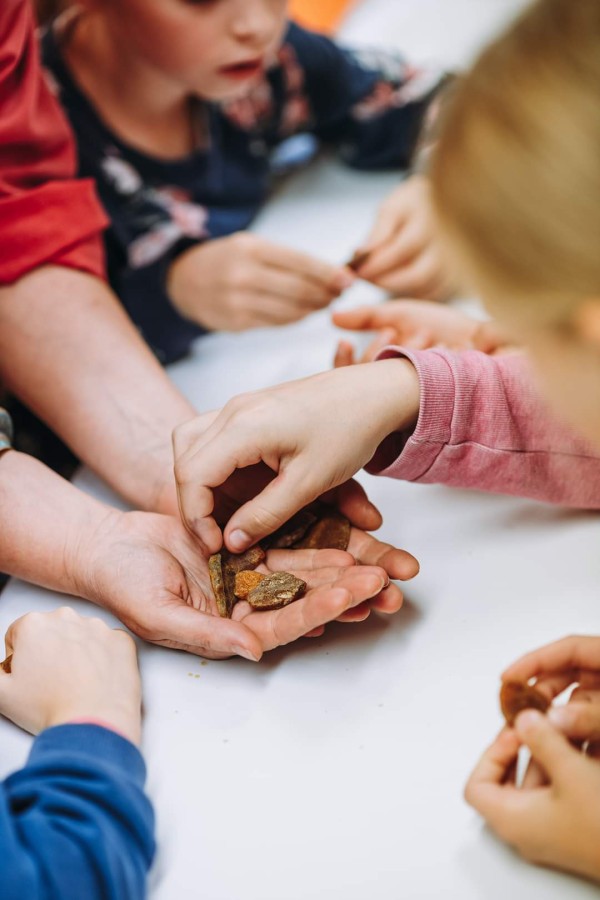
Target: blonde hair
516,173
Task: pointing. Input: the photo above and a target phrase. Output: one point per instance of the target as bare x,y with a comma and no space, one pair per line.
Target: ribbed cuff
419,450
92,742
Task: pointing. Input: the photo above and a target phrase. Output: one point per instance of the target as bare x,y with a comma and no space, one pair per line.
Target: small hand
243,281
307,437
555,824
404,255
415,324
64,668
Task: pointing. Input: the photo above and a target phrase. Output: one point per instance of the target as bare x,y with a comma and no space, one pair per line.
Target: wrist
399,393
123,722
84,551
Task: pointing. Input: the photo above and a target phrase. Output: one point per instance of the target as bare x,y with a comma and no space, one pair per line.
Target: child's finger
534,777
363,318
486,790
333,278
578,720
548,746
568,654
294,287
416,279
344,355
383,339
405,246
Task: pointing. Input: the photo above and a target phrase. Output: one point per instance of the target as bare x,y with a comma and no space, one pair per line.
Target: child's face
213,48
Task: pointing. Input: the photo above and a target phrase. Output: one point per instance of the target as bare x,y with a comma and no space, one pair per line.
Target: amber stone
245,582
277,590
331,532
515,696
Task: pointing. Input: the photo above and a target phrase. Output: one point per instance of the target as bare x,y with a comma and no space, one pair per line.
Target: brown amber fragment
515,696
215,570
245,582
331,532
7,664
277,590
292,531
358,259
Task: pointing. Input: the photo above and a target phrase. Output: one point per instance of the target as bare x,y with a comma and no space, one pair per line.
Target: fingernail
247,654
239,540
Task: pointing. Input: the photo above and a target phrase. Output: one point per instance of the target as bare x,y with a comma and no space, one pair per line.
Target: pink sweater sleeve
482,424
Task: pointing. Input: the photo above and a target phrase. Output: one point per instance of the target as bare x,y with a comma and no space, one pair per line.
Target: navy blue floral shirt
369,104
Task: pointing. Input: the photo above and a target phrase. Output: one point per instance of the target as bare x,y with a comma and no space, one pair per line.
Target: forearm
43,519
482,424
75,822
70,353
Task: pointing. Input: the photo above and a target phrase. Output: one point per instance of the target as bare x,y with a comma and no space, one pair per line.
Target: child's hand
244,281
555,824
417,324
557,666
309,436
64,667
153,575
404,256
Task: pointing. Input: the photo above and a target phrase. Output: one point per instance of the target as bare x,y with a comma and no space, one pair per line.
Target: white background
334,768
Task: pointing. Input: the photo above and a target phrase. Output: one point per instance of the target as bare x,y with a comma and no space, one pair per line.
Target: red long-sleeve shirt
46,215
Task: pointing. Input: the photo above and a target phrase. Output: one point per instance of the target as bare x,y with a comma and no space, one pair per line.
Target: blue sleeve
370,103
75,823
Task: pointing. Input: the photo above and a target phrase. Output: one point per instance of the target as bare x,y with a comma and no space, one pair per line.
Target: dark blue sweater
75,823
369,104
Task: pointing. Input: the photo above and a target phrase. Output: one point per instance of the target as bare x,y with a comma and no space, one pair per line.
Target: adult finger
182,627
352,500
369,551
548,746
316,608
570,653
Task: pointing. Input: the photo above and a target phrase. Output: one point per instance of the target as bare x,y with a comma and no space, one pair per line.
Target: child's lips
247,69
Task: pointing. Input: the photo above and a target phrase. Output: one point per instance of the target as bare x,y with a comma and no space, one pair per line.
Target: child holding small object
516,184
178,108
74,821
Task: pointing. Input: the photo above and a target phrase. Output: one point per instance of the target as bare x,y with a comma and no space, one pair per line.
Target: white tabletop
334,768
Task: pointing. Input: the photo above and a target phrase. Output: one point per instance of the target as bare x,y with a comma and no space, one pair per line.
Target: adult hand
555,824
152,574
404,256
243,281
64,668
312,435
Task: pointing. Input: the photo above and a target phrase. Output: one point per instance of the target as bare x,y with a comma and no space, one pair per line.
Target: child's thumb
548,746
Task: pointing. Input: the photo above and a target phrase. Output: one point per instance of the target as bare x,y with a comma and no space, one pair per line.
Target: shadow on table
343,636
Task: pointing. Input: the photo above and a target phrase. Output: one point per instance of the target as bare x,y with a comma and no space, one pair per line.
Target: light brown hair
516,173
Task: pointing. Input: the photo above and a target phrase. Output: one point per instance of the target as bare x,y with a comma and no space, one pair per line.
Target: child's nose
256,20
